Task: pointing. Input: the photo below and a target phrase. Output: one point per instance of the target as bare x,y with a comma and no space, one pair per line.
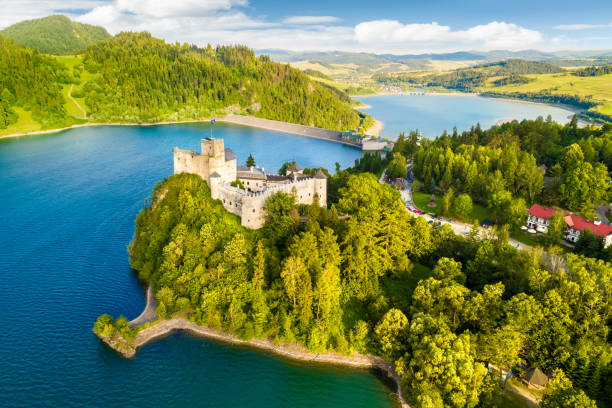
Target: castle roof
229,154
276,177
215,175
319,175
293,167
247,169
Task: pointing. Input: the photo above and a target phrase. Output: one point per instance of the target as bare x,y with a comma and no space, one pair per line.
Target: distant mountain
57,35
340,57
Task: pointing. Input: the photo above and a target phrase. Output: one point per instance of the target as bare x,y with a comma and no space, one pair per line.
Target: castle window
253,210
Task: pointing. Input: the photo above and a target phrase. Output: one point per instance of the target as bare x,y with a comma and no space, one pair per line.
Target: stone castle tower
217,166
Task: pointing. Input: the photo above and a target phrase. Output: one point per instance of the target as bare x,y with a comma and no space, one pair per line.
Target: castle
217,166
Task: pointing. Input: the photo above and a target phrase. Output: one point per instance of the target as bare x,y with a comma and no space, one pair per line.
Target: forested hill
467,79
141,78
56,35
31,83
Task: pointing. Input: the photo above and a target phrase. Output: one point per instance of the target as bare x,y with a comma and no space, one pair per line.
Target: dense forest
594,71
440,306
512,160
141,78
468,79
134,77
56,35
33,82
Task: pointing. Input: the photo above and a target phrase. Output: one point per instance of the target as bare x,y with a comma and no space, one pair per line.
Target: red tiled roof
540,211
581,224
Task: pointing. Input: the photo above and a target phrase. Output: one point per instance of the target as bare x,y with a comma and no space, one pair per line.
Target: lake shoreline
292,351
571,109
240,120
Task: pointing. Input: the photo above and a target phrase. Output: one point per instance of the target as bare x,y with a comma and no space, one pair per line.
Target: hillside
134,77
468,79
56,35
31,89
587,89
141,78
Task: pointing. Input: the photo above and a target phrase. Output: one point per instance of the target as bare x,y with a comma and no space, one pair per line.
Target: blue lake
432,114
67,207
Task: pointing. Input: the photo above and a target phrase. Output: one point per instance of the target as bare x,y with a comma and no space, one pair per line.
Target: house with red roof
575,225
539,217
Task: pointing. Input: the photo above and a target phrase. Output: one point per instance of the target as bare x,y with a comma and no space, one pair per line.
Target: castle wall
188,161
248,205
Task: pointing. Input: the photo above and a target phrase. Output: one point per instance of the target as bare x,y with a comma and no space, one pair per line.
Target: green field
599,88
24,124
422,199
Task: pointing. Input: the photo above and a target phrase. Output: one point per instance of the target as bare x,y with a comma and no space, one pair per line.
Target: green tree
390,333
462,206
556,228
397,167
439,367
250,162
447,268
447,201
560,394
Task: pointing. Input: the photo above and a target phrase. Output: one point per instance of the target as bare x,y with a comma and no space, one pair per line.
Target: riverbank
93,124
293,351
376,128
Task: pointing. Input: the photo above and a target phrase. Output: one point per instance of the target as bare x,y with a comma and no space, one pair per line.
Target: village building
539,216
575,225
217,166
535,378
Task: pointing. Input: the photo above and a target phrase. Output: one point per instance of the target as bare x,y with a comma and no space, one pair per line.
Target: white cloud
14,11
488,36
234,21
581,26
311,20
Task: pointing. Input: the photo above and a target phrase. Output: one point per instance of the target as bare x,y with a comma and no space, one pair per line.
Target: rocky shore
292,351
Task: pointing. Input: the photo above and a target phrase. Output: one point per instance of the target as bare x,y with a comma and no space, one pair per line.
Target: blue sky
370,26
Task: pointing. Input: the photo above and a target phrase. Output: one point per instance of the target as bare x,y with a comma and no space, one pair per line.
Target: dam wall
292,128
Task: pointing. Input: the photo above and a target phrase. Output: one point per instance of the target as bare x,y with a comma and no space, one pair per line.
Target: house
575,225
535,378
538,218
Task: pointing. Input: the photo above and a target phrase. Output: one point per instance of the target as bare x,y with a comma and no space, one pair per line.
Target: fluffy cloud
234,21
581,26
487,36
311,20
14,11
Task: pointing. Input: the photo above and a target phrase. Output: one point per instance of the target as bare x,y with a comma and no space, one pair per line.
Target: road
76,103
460,228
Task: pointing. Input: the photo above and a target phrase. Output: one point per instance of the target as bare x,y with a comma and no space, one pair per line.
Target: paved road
460,228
